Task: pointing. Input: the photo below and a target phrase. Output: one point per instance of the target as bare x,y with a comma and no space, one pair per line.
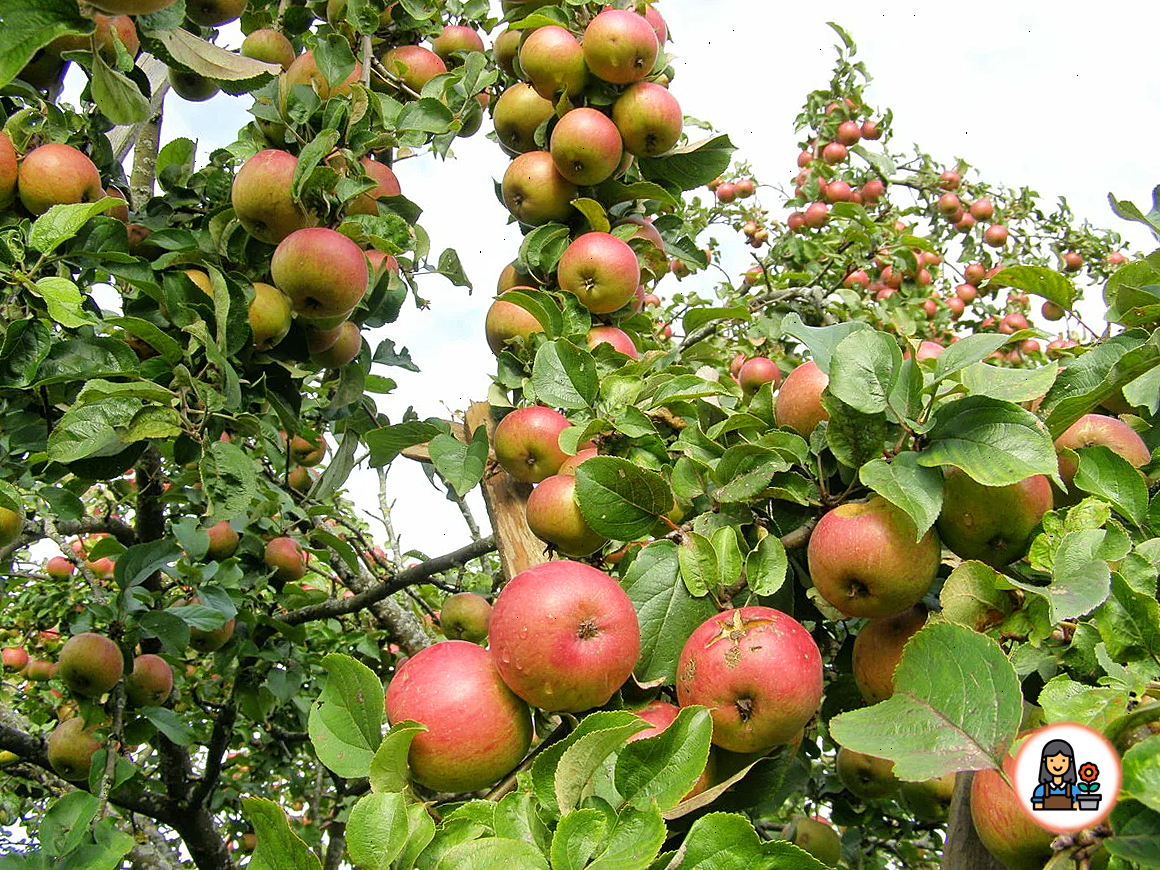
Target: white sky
1059,97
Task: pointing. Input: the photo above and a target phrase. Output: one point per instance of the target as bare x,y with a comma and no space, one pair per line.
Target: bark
963,849
145,148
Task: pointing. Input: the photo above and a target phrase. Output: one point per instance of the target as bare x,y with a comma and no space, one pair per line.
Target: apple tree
801,519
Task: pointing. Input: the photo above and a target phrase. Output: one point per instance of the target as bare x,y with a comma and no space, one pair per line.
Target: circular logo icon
1067,777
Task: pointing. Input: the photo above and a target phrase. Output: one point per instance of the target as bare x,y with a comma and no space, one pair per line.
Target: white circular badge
1067,777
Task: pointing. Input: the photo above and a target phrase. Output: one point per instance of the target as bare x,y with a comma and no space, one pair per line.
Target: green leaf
1080,574
312,154
908,486
967,352
1108,476
667,613
1129,622
164,344
619,500
98,390
821,340
170,724
387,442
389,765
698,561
995,443
64,300
698,316
853,437
745,471
1129,211
1038,280
1141,767
613,192
564,375
578,837
339,468
229,479
209,60
975,595
766,566
61,222
175,163
278,847
541,306
546,763
1137,834
426,115
346,721
421,833
90,430
864,369
1009,385
584,758
635,839
724,841
460,464
728,554
491,853
66,824
29,27
376,831
117,95
934,723
1064,700
664,767
684,387
690,166
138,563
593,212
334,58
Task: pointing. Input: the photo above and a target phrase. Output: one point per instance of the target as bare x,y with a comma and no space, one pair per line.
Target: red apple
726,192
993,524
1072,261
871,130
649,119
90,664
1005,828
950,204
799,401
322,271
995,235
535,192
456,37
150,682
57,174
757,371
414,65
223,541
614,336
586,146
554,516
982,209
59,568
386,184
506,321
285,557
261,197
620,46
553,61
817,215
568,466
878,649
834,152
601,270
849,132
950,180
519,112
13,658
527,443
660,28
1093,429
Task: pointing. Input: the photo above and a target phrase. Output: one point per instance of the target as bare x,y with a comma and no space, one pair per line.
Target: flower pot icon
1086,788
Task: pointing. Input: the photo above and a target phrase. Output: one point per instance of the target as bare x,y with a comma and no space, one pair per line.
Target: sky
1061,98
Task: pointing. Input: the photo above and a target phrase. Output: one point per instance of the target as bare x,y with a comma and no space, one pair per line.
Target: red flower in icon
1088,771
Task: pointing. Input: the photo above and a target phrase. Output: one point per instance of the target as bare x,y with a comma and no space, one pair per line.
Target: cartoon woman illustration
1056,778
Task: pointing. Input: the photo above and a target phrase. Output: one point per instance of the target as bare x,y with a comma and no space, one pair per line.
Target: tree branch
223,729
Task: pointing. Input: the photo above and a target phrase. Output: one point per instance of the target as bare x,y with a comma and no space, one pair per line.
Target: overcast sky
1059,97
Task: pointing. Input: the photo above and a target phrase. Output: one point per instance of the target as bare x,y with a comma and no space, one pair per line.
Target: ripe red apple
108,28
982,209
505,49
527,443
553,61
386,184
857,280
834,152
456,37
757,371
950,204
554,516
1093,429
9,171
564,636
878,649
950,180
13,658
1051,311
586,146
993,524
649,119
995,235
90,664
726,192
71,748
873,190
620,46
967,292
871,130
59,568
866,776
465,616
799,401
1057,348
796,221
568,466
1116,258
849,132
477,729
975,274
758,671
805,158
304,71
150,682
1072,261
223,541
343,350
1012,323
268,45
39,671
864,560
322,271
56,174
660,28
956,305
601,270
1005,828
839,191
614,336
414,65
535,192
285,557
817,215
746,187
261,197
506,321
645,230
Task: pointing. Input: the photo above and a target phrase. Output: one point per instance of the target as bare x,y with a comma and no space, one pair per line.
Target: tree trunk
963,849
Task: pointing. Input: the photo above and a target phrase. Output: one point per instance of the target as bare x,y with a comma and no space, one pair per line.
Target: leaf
209,60
389,766
460,464
339,468
972,596
578,836
766,566
426,115
1109,476
387,442
422,832
1129,622
170,724
746,470
1009,385
228,477
116,95
821,340
728,554
1137,834
278,847
61,222
376,831
1064,700
864,369
667,613
1141,770
619,500
564,375
346,720
334,58
968,351
1038,280
491,853
635,839
64,301
90,430
853,437
908,486
546,763
934,723
1129,211
138,563
698,316
593,212
725,841
690,166
29,27
1080,575
66,824
541,306
698,561
585,757
995,443
664,767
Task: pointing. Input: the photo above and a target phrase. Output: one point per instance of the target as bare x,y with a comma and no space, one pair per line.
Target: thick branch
223,730
145,161
119,529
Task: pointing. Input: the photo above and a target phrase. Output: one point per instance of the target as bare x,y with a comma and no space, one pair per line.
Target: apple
866,776
269,315
191,86
345,348
150,681
649,119
386,184
726,192
223,541
949,204
995,235
864,559
982,209
817,215
108,28
414,65
871,130
796,221
1004,827
13,658
646,230
506,322
834,152
873,190
519,113
304,71
620,46
455,38
527,443
307,451
967,292
838,191
300,479
1116,258
660,28
270,46
117,212
214,13
11,526
568,466
285,557
554,516
477,729
535,192
651,300
757,371
39,671
849,133
993,524
322,271
1072,261
799,401
553,61
1052,311
956,305
878,649
601,270
758,671
815,836
90,664
56,174
564,636
9,171
1012,323
465,616
965,223
927,350
975,274
1057,348
71,748
261,197
133,7
103,568
950,180
929,800
505,49
617,338
1093,429
210,641
586,146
